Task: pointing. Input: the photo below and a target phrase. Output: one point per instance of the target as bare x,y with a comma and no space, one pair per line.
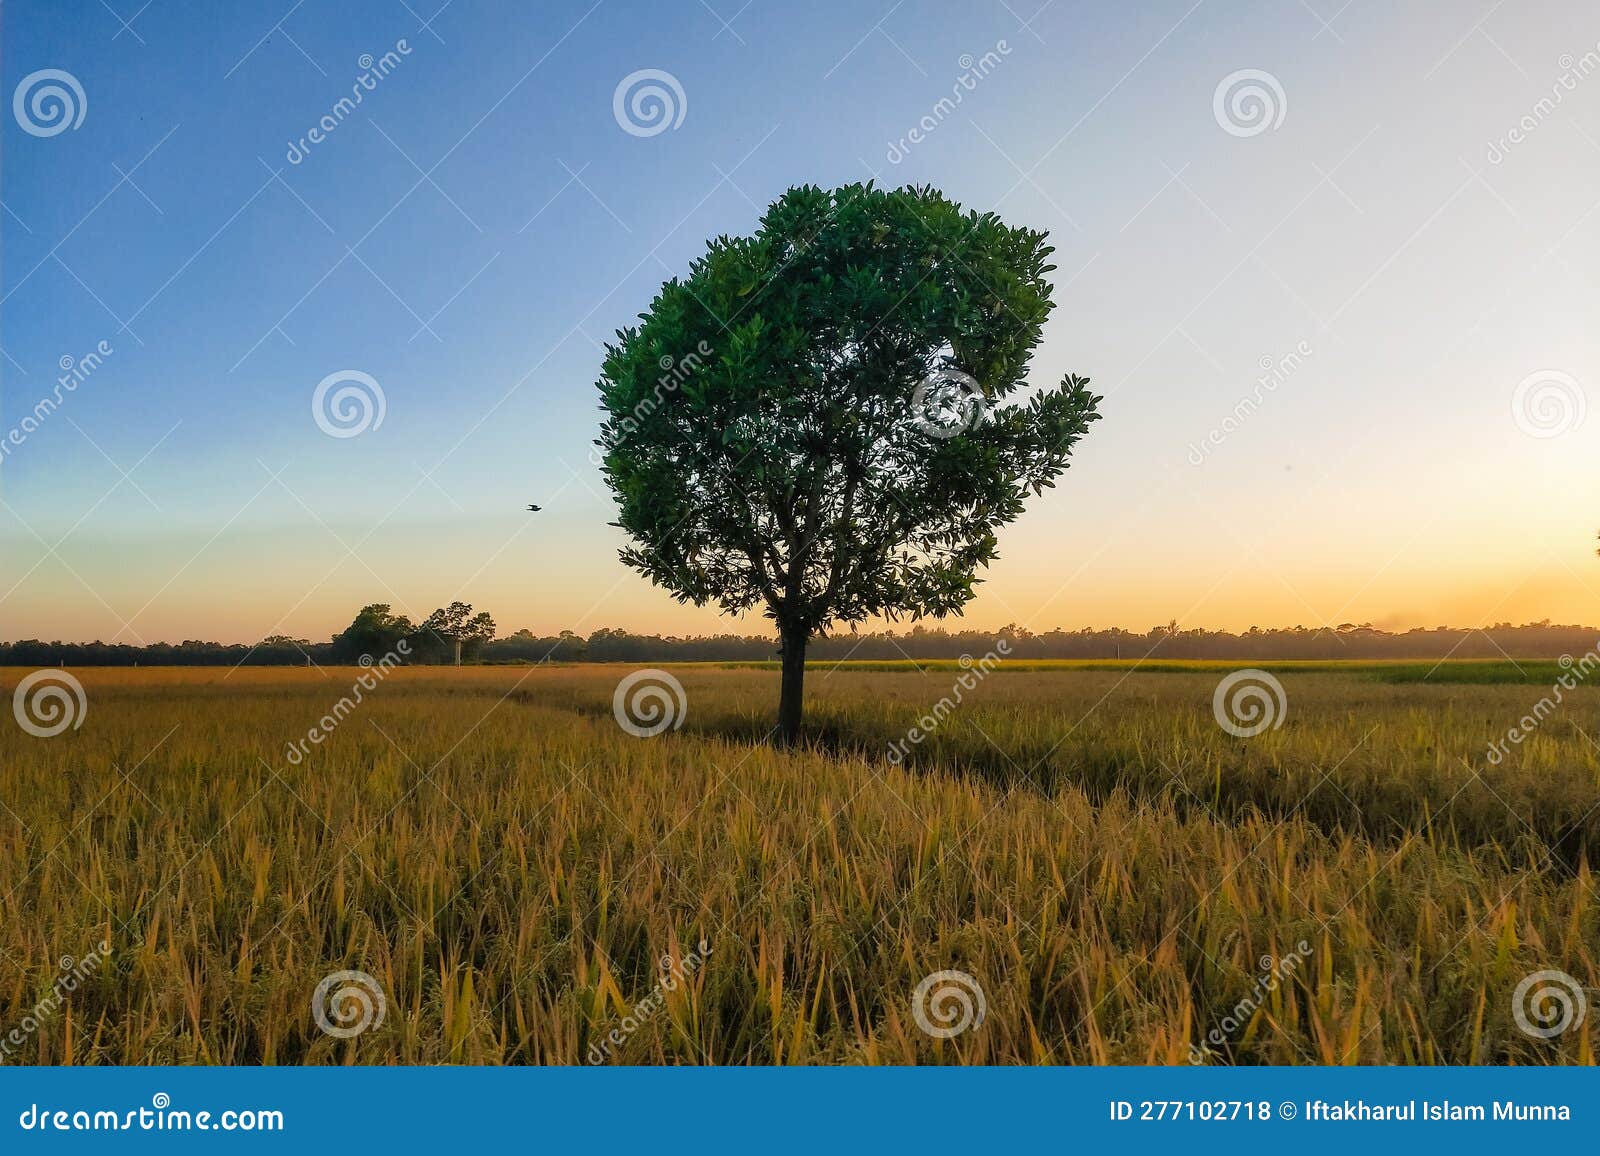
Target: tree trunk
791,699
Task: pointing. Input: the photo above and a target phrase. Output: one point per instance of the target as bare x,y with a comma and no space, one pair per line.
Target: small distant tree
281,648
454,633
569,647
810,421
479,632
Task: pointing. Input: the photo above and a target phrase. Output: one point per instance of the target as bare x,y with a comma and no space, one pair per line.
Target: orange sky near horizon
256,583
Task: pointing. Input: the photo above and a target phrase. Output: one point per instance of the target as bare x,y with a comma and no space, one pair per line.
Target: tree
374,633
480,630
453,632
809,421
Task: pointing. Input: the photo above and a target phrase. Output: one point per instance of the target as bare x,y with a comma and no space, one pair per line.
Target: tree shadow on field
1527,824
1239,789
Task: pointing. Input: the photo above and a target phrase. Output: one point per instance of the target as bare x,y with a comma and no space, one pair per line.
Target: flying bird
534,509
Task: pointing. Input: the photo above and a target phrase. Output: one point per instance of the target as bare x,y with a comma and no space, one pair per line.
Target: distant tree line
457,633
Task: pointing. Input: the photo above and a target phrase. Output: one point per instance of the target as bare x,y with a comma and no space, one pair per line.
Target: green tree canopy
453,632
374,633
814,420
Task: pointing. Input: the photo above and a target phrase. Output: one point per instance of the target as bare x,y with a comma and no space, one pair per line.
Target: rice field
519,879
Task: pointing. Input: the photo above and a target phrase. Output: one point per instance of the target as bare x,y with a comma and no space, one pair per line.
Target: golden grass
511,867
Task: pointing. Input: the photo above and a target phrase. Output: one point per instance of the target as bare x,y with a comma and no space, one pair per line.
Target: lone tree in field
809,422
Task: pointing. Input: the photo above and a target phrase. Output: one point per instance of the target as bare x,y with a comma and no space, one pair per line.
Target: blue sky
474,228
